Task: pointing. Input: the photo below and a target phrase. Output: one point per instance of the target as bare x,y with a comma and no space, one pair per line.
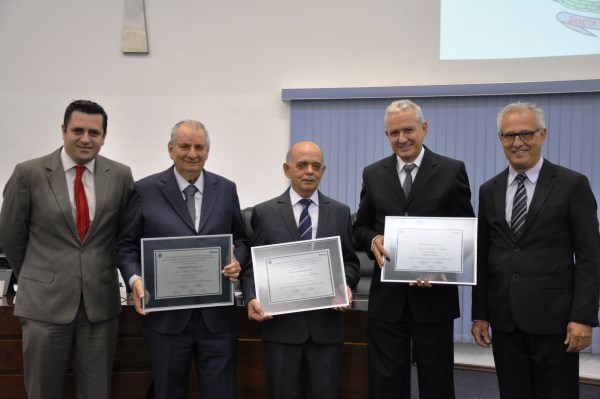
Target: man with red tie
58,228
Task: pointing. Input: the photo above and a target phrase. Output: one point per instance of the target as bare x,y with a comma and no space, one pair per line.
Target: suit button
515,276
517,250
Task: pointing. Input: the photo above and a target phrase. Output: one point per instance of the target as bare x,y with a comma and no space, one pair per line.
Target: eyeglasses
525,136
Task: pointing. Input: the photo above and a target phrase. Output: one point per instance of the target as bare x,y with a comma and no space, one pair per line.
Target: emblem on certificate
185,272
441,250
300,275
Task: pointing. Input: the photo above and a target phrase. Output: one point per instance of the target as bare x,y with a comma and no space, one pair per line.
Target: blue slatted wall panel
351,135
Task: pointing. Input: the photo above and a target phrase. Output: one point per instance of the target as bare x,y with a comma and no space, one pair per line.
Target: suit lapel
499,196
287,215
543,188
209,197
102,179
426,171
173,195
323,215
58,184
390,176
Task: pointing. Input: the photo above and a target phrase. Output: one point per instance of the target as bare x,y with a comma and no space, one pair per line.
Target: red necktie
81,205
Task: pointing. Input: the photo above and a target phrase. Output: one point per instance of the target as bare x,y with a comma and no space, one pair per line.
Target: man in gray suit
316,336
58,227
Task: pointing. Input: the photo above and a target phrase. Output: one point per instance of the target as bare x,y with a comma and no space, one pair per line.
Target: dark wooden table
132,375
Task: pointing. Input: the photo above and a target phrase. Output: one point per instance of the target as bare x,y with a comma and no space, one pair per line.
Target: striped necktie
305,224
519,210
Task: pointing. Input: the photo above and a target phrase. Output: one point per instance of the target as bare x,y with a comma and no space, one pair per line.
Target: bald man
315,337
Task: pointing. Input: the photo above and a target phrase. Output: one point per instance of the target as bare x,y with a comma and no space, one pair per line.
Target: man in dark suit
316,336
399,312
58,227
158,208
538,264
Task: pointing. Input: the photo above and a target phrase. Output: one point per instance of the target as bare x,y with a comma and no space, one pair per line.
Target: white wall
223,63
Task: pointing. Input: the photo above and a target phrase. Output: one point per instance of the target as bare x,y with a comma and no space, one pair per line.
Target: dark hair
87,107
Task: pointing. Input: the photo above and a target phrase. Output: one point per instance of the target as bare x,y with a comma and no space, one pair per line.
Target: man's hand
255,311
379,251
480,331
344,308
579,337
232,270
423,283
138,295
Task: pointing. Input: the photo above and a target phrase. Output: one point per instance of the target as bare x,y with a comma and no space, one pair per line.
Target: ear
286,170
170,148
424,126
64,129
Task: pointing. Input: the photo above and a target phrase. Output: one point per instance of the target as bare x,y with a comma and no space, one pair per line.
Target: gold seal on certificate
185,272
441,250
299,276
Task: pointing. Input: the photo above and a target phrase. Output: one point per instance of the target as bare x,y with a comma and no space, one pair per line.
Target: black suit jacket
273,222
551,275
157,209
440,189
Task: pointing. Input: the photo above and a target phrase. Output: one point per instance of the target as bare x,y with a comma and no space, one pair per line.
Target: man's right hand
481,333
379,251
255,311
138,295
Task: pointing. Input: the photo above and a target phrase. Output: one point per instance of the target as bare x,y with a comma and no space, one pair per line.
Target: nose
521,142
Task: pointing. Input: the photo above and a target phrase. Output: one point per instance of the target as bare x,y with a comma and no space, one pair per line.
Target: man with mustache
58,228
401,313
314,337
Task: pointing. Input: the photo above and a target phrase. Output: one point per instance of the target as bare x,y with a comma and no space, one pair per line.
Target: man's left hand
579,336
232,271
344,308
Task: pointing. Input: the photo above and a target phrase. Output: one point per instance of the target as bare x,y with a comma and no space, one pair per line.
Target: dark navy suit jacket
157,209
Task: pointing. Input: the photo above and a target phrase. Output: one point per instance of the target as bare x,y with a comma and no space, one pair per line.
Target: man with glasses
538,264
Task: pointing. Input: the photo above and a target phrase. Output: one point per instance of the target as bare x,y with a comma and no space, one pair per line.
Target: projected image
486,29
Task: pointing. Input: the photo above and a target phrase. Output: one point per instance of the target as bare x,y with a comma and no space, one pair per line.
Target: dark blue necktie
305,224
519,210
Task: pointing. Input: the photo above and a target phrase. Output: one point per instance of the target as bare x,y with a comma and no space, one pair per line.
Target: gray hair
190,123
404,106
521,107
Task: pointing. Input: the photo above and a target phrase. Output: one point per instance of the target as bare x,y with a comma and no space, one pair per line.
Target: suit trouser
283,363
532,366
47,348
389,354
171,357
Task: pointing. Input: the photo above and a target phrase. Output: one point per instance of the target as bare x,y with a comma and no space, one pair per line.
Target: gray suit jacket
54,269
273,222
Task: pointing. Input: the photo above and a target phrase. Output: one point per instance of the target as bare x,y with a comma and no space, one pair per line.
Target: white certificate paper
300,276
428,249
441,250
187,272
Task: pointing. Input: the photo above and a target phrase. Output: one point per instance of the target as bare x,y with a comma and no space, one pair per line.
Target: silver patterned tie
519,210
408,180
190,202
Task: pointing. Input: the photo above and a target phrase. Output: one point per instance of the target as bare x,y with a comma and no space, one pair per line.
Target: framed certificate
185,272
441,250
300,276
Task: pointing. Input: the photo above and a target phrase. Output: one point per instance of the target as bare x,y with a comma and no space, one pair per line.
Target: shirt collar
532,174
68,163
400,163
182,183
295,197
